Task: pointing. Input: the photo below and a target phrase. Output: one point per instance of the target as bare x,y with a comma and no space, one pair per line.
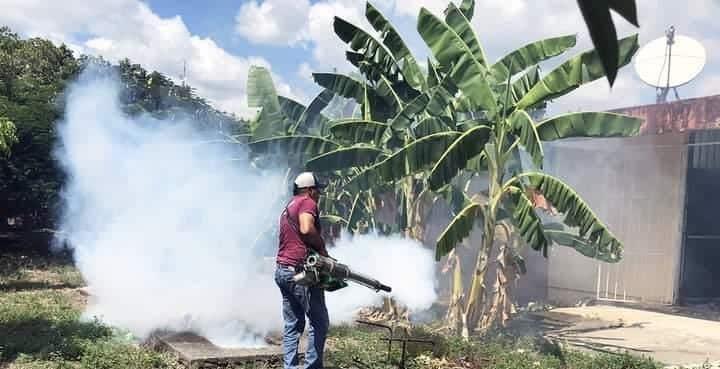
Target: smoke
400,263
164,227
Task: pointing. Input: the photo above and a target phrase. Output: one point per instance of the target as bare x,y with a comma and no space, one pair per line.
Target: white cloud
305,72
139,34
709,86
412,7
504,25
276,22
284,22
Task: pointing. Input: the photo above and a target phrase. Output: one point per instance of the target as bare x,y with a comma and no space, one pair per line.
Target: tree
33,75
488,122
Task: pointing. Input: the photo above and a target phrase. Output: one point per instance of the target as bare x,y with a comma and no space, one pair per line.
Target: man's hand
310,234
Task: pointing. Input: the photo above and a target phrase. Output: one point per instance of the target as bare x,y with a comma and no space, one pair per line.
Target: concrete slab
197,352
670,339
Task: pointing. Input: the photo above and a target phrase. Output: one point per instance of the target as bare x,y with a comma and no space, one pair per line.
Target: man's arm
310,234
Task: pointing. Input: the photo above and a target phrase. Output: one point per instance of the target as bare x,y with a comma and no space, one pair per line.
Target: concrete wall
636,187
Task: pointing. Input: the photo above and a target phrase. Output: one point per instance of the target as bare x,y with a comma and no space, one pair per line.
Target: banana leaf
355,131
428,126
371,49
531,55
602,29
455,18
583,246
269,124
522,85
386,91
458,229
577,212
312,119
527,222
440,101
434,76
411,159
588,124
392,40
454,158
261,94
342,85
455,197
524,128
298,145
261,90
292,109
467,7
343,158
409,113
450,49
575,72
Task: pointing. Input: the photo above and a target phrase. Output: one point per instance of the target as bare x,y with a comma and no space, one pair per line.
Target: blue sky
220,39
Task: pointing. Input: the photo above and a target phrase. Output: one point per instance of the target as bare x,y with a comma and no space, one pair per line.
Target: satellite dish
670,62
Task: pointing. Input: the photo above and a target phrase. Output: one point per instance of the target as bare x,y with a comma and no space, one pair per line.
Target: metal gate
701,233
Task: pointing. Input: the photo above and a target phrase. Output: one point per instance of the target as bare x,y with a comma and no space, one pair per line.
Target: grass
41,328
41,325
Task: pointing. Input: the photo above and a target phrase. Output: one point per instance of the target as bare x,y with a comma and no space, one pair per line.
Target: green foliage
530,55
7,135
581,69
577,214
588,124
449,48
458,229
455,156
33,75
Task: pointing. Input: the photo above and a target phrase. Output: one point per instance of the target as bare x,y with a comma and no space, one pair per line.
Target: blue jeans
299,301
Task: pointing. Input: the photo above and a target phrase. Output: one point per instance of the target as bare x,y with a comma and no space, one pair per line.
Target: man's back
292,249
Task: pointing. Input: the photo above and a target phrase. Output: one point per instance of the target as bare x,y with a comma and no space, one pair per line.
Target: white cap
307,179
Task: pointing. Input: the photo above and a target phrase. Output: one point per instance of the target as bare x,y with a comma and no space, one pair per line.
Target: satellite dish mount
662,92
670,62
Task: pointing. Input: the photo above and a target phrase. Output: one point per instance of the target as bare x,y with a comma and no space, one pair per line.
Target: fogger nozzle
342,271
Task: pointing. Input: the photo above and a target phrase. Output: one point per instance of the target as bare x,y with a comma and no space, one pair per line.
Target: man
299,233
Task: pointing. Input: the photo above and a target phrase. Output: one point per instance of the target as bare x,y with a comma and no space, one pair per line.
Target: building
659,193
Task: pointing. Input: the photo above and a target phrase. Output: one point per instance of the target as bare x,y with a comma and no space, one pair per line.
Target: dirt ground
671,339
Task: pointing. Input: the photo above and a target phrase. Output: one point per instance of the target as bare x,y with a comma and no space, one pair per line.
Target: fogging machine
330,275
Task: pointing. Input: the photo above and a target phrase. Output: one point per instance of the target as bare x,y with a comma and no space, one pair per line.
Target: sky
219,40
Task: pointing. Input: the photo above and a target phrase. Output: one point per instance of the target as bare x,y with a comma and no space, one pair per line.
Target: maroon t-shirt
292,250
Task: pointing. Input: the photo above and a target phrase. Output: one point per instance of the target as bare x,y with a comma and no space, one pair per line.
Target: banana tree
399,104
498,98
506,127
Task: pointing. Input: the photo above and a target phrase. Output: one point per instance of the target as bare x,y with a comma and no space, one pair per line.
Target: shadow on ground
42,338
20,286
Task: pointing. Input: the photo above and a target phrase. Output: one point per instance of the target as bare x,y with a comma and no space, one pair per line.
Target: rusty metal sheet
677,116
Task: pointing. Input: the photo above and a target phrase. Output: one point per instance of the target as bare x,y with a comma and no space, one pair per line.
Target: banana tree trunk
502,307
475,300
476,297
454,318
